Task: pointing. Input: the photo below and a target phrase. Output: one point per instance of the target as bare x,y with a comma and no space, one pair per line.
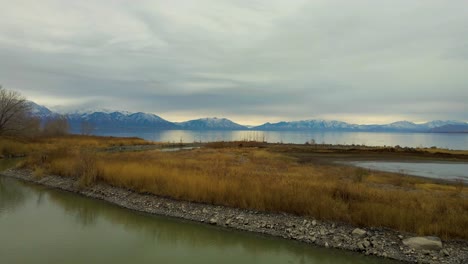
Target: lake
436,170
457,141
41,225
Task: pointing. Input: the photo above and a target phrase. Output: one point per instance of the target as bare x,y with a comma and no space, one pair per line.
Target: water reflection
442,140
12,195
60,227
173,232
446,171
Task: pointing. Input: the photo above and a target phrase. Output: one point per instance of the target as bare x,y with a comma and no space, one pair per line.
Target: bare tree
14,113
57,126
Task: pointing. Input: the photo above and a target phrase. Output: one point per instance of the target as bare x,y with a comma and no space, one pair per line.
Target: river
457,141
42,225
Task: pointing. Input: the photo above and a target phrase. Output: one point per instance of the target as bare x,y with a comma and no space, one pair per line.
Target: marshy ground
296,179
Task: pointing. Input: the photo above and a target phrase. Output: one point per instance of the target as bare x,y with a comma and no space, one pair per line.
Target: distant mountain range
114,121
210,124
437,126
119,121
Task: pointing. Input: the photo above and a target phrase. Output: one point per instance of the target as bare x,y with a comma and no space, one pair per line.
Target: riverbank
371,241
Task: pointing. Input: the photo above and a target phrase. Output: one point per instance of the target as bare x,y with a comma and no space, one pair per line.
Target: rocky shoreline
379,242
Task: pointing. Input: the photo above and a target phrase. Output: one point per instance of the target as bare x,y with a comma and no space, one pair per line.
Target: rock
228,222
444,252
327,245
204,211
366,244
361,246
323,231
213,221
400,236
314,223
423,243
359,232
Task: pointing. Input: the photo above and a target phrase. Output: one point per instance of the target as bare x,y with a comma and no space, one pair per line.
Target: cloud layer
362,61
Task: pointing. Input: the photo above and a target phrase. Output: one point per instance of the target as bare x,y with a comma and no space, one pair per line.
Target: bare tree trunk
15,116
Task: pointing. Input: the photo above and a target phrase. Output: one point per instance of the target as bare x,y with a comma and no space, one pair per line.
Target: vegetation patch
263,179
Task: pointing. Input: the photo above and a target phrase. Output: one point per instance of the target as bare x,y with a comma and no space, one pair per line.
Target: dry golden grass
39,172
444,151
18,146
87,141
259,179
14,147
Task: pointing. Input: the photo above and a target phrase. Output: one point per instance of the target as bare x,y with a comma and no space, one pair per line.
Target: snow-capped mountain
40,111
451,128
400,126
308,125
407,126
117,121
440,123
85,111
211,124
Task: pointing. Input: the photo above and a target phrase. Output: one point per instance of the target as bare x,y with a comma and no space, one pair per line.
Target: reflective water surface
441,140
447,171
40,225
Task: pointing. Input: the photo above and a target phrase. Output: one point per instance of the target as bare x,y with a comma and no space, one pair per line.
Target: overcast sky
251,61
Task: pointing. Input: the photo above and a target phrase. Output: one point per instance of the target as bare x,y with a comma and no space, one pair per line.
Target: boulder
359,232
423,243
213,221
444,252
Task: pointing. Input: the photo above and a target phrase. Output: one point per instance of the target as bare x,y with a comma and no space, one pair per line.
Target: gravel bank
380,242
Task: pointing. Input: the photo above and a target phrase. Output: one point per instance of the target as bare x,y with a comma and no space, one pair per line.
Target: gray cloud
360,61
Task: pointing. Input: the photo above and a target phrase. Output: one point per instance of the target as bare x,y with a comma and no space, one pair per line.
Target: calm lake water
41,225
446,171
441,140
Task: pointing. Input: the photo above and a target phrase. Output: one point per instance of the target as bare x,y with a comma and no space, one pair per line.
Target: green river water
42,225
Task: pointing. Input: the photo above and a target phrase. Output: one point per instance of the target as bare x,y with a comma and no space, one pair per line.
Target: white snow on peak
439,123
86,111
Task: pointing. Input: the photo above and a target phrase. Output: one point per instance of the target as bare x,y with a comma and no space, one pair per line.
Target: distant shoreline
149,129
453,141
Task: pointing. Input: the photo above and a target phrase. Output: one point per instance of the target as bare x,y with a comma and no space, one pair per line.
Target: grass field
261,178
22,146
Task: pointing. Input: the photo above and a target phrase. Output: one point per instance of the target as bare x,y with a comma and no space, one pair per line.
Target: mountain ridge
110,120
211,123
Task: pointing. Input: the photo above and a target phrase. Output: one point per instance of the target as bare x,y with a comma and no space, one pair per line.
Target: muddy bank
370,241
